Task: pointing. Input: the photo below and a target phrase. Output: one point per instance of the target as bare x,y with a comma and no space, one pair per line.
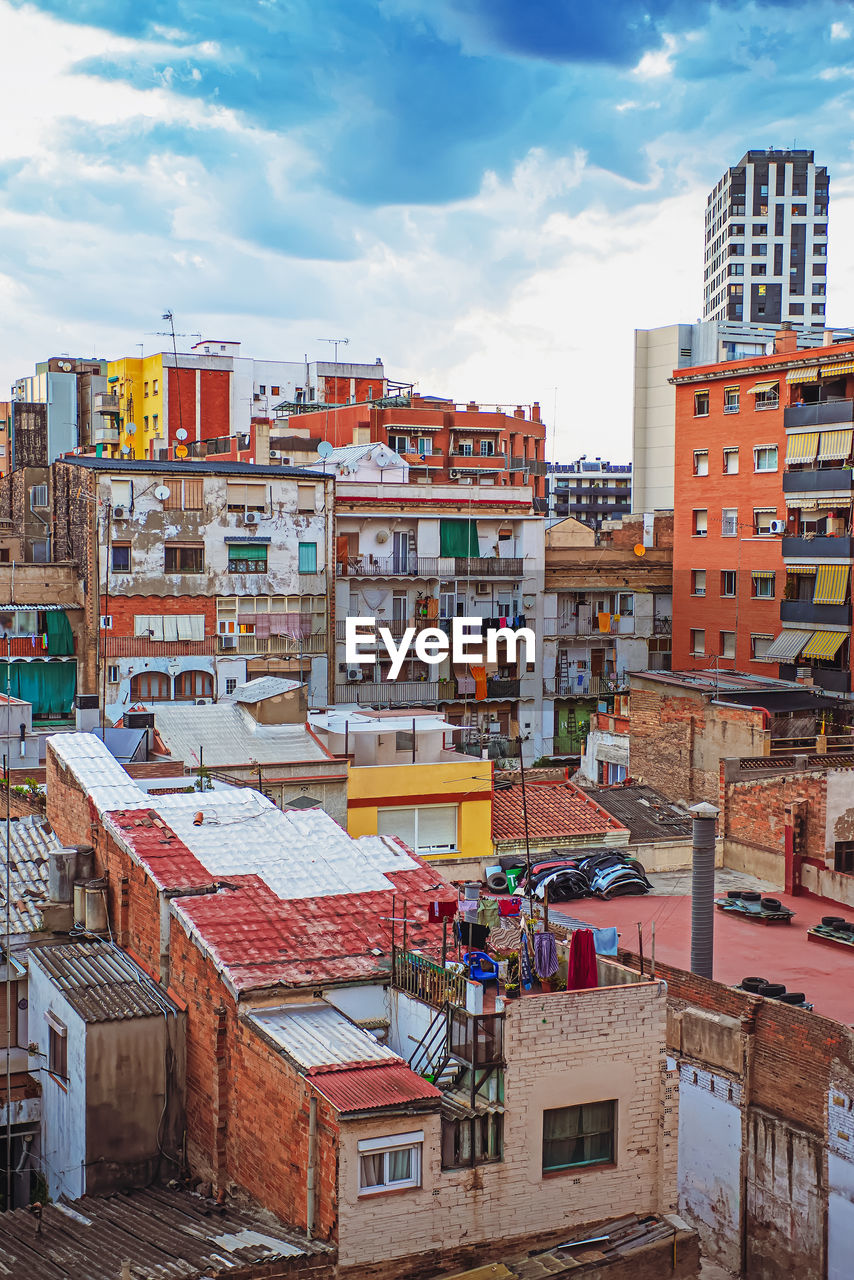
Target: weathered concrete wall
785,1201
710,1161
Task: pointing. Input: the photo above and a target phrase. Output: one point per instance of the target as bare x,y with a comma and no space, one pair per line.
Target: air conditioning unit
228,642
120,513
354,673
203,702
275,453
482,589
777,526
453,474
251,517
804,673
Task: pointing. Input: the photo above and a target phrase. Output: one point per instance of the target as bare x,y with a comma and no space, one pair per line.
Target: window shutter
397,822
437,827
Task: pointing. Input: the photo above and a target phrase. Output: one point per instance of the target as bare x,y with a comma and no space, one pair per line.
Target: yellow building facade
140,386
443,811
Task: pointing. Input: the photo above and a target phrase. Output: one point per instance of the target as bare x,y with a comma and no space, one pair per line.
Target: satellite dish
125,448
162,493
381,535
130,428
383,460
180,434
639,549
324,449
180,451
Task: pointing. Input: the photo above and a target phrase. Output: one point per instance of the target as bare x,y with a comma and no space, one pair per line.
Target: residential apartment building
196,574
442,442
607,611
766,241
407,555
740,546
5,436
66,404
589,491
212,393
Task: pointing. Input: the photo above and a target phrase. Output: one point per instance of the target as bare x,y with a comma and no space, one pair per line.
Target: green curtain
458,538
59,636
49,686
244,552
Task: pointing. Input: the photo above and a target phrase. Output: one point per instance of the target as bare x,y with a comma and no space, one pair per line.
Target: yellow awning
835,445
840,501
803,504
762,386
831,584
801,568
809,374
824,644
802,448
762,573
833,370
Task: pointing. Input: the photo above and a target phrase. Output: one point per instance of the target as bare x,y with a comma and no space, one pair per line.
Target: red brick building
763,513
442,441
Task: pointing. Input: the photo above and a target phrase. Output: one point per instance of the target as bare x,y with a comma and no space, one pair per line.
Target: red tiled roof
554,809
157,847
370,1088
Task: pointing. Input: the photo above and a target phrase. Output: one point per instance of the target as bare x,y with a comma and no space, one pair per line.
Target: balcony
584,685
827,480
398,693
369,566
104,434
105,403
478,462
287,646
433,459
818,614
662,626
818,548
488,566
832,679
518,464
465,687
826,414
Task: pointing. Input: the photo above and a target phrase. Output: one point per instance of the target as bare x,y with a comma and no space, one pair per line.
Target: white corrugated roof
259,689
316,1035
98,771
229,735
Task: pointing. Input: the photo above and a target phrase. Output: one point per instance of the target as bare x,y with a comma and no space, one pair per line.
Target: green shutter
49,686
308,557
59,637
458,538
243,552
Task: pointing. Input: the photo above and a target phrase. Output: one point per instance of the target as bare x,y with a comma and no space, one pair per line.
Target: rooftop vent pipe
703,889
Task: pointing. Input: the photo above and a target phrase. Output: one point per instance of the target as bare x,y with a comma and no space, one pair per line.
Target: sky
491,195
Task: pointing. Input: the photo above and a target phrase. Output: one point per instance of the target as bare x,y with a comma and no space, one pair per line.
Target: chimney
785,339
535,411
703,889
471,406
518,412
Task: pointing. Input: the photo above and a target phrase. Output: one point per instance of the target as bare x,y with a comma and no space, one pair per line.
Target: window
308,557
120,493
769,397
262,389
112,674
578,1136
765,457
464,448
57,1048
247,558
183,557
728,582
191,685
155,387
626,605
246,497
425,445
274,391
729,522
185,493
38,496
428,829
698,582
155,419
389,1164
843,857
701,462
698,641
471,1142
150,686
400,444
759,646
797,308
120,557
758,269
487,448
817,308
731,461
700,523
231,684
145,390
306,498
145,422
762,586
760,250
762,517
170,626
731,399
819,290
701,404
727,644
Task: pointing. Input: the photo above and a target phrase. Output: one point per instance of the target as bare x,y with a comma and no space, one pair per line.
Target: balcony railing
478,461
827,480
398,693
292,646
662,626
818,548
466,687
819,415
105,403
143,647
819,614
369,566
583,685
426,980
488,566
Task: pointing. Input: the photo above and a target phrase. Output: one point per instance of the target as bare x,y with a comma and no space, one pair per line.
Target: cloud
839,31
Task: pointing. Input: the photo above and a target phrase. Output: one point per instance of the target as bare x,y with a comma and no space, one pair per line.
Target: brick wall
753,814
124,609
69,810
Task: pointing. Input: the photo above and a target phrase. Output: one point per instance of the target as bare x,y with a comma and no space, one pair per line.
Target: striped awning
829,503
762,386
824,644
801,568
802,448
835,445
808,374
763,573
807,502
831,584
787,646
834,370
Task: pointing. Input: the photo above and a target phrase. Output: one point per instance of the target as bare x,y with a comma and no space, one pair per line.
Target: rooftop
317,1037
101,982
647,814
162,1232
188,465
555,809
736,686
226,734
391,1084
257,690
30,841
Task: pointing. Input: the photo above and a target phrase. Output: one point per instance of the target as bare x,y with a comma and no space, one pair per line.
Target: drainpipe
703,889
312,1167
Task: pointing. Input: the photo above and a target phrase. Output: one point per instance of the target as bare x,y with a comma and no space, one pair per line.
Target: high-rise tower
766,241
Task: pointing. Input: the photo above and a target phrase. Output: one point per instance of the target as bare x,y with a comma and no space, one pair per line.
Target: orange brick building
756,540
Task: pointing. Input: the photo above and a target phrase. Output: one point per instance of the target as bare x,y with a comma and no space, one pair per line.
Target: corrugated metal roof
316,1036
375,1088
143,466
229,735
646,813
97,771
100,981
30,842
264,687
173,1235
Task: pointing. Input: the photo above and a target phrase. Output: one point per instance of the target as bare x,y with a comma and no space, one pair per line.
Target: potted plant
511,991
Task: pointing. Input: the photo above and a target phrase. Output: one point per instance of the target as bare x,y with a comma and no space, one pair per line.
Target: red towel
582,972
441,911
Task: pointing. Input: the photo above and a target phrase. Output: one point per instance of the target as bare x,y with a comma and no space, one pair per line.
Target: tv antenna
336,343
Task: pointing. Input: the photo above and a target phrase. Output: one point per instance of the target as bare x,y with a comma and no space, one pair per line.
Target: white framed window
487,448
729,522
698,582
731,461
762,517
701,462
728,582
120,493
177,626
762,586
231,685
700,523
765,457
759,646
426,829
390,1163
701,404
727,644
732,396
698,641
